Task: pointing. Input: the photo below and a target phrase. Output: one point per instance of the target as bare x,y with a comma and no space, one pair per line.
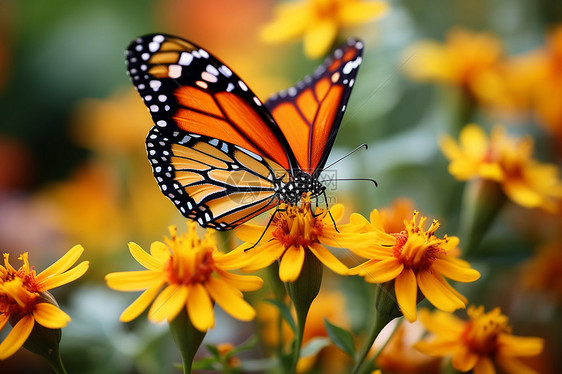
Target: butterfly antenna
355,179
347,155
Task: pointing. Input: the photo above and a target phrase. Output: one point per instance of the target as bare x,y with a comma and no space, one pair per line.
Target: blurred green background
73,168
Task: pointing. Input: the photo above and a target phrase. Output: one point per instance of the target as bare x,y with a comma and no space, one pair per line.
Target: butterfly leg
330,213
277,209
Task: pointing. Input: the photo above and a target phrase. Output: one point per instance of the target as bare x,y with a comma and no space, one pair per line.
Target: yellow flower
542,272
458,61
505,160
414,258
479,344
24,299
319,21
398,355
194,276
293,231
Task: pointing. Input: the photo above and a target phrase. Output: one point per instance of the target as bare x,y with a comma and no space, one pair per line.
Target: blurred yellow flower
194,276
319,21
294,230
459,61
547,92
414,258
542,272
505,160
114,125
24,299
399,356
481,344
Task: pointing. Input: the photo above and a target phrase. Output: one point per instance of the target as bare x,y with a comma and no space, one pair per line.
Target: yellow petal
438,292
337,213
474,141
66,277
352,13
464,359
455,269
160,251
511,365
168,303
510,345
319,38
523,194
450,148
241,282
264,256
249,233
440,347
439,322
144,258
328,259
486,366
134,280
382,271
235,259
15,339
200,308
291,264
50,316
62,264
229,299
140,304
288,26
406,289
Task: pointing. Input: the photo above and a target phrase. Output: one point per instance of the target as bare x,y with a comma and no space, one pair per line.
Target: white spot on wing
174,71
185,58
155,85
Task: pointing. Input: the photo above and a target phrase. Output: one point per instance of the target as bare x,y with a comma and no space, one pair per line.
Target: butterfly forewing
186,88
310,113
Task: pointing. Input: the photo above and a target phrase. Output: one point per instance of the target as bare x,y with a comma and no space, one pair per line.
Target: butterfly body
219,153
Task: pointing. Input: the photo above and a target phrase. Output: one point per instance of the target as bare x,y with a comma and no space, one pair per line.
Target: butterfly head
300,183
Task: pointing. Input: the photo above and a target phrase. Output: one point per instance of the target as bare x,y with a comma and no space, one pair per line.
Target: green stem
371,362
55,360
378,324
386,309
482,201
303,291
187,338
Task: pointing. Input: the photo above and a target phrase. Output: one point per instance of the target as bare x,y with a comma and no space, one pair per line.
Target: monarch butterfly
220,154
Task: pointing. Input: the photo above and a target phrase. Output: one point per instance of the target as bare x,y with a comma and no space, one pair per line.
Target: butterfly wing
309,114
216,183
215,150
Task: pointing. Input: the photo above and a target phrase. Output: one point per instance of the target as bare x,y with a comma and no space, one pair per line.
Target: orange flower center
191,260
482,331
297,226
15,298
415,248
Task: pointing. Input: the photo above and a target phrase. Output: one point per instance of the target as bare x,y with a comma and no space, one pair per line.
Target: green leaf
313,346
207,363
341,338
285,313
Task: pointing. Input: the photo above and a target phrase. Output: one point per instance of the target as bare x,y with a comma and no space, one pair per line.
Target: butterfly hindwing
213,182
187,89
310,113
